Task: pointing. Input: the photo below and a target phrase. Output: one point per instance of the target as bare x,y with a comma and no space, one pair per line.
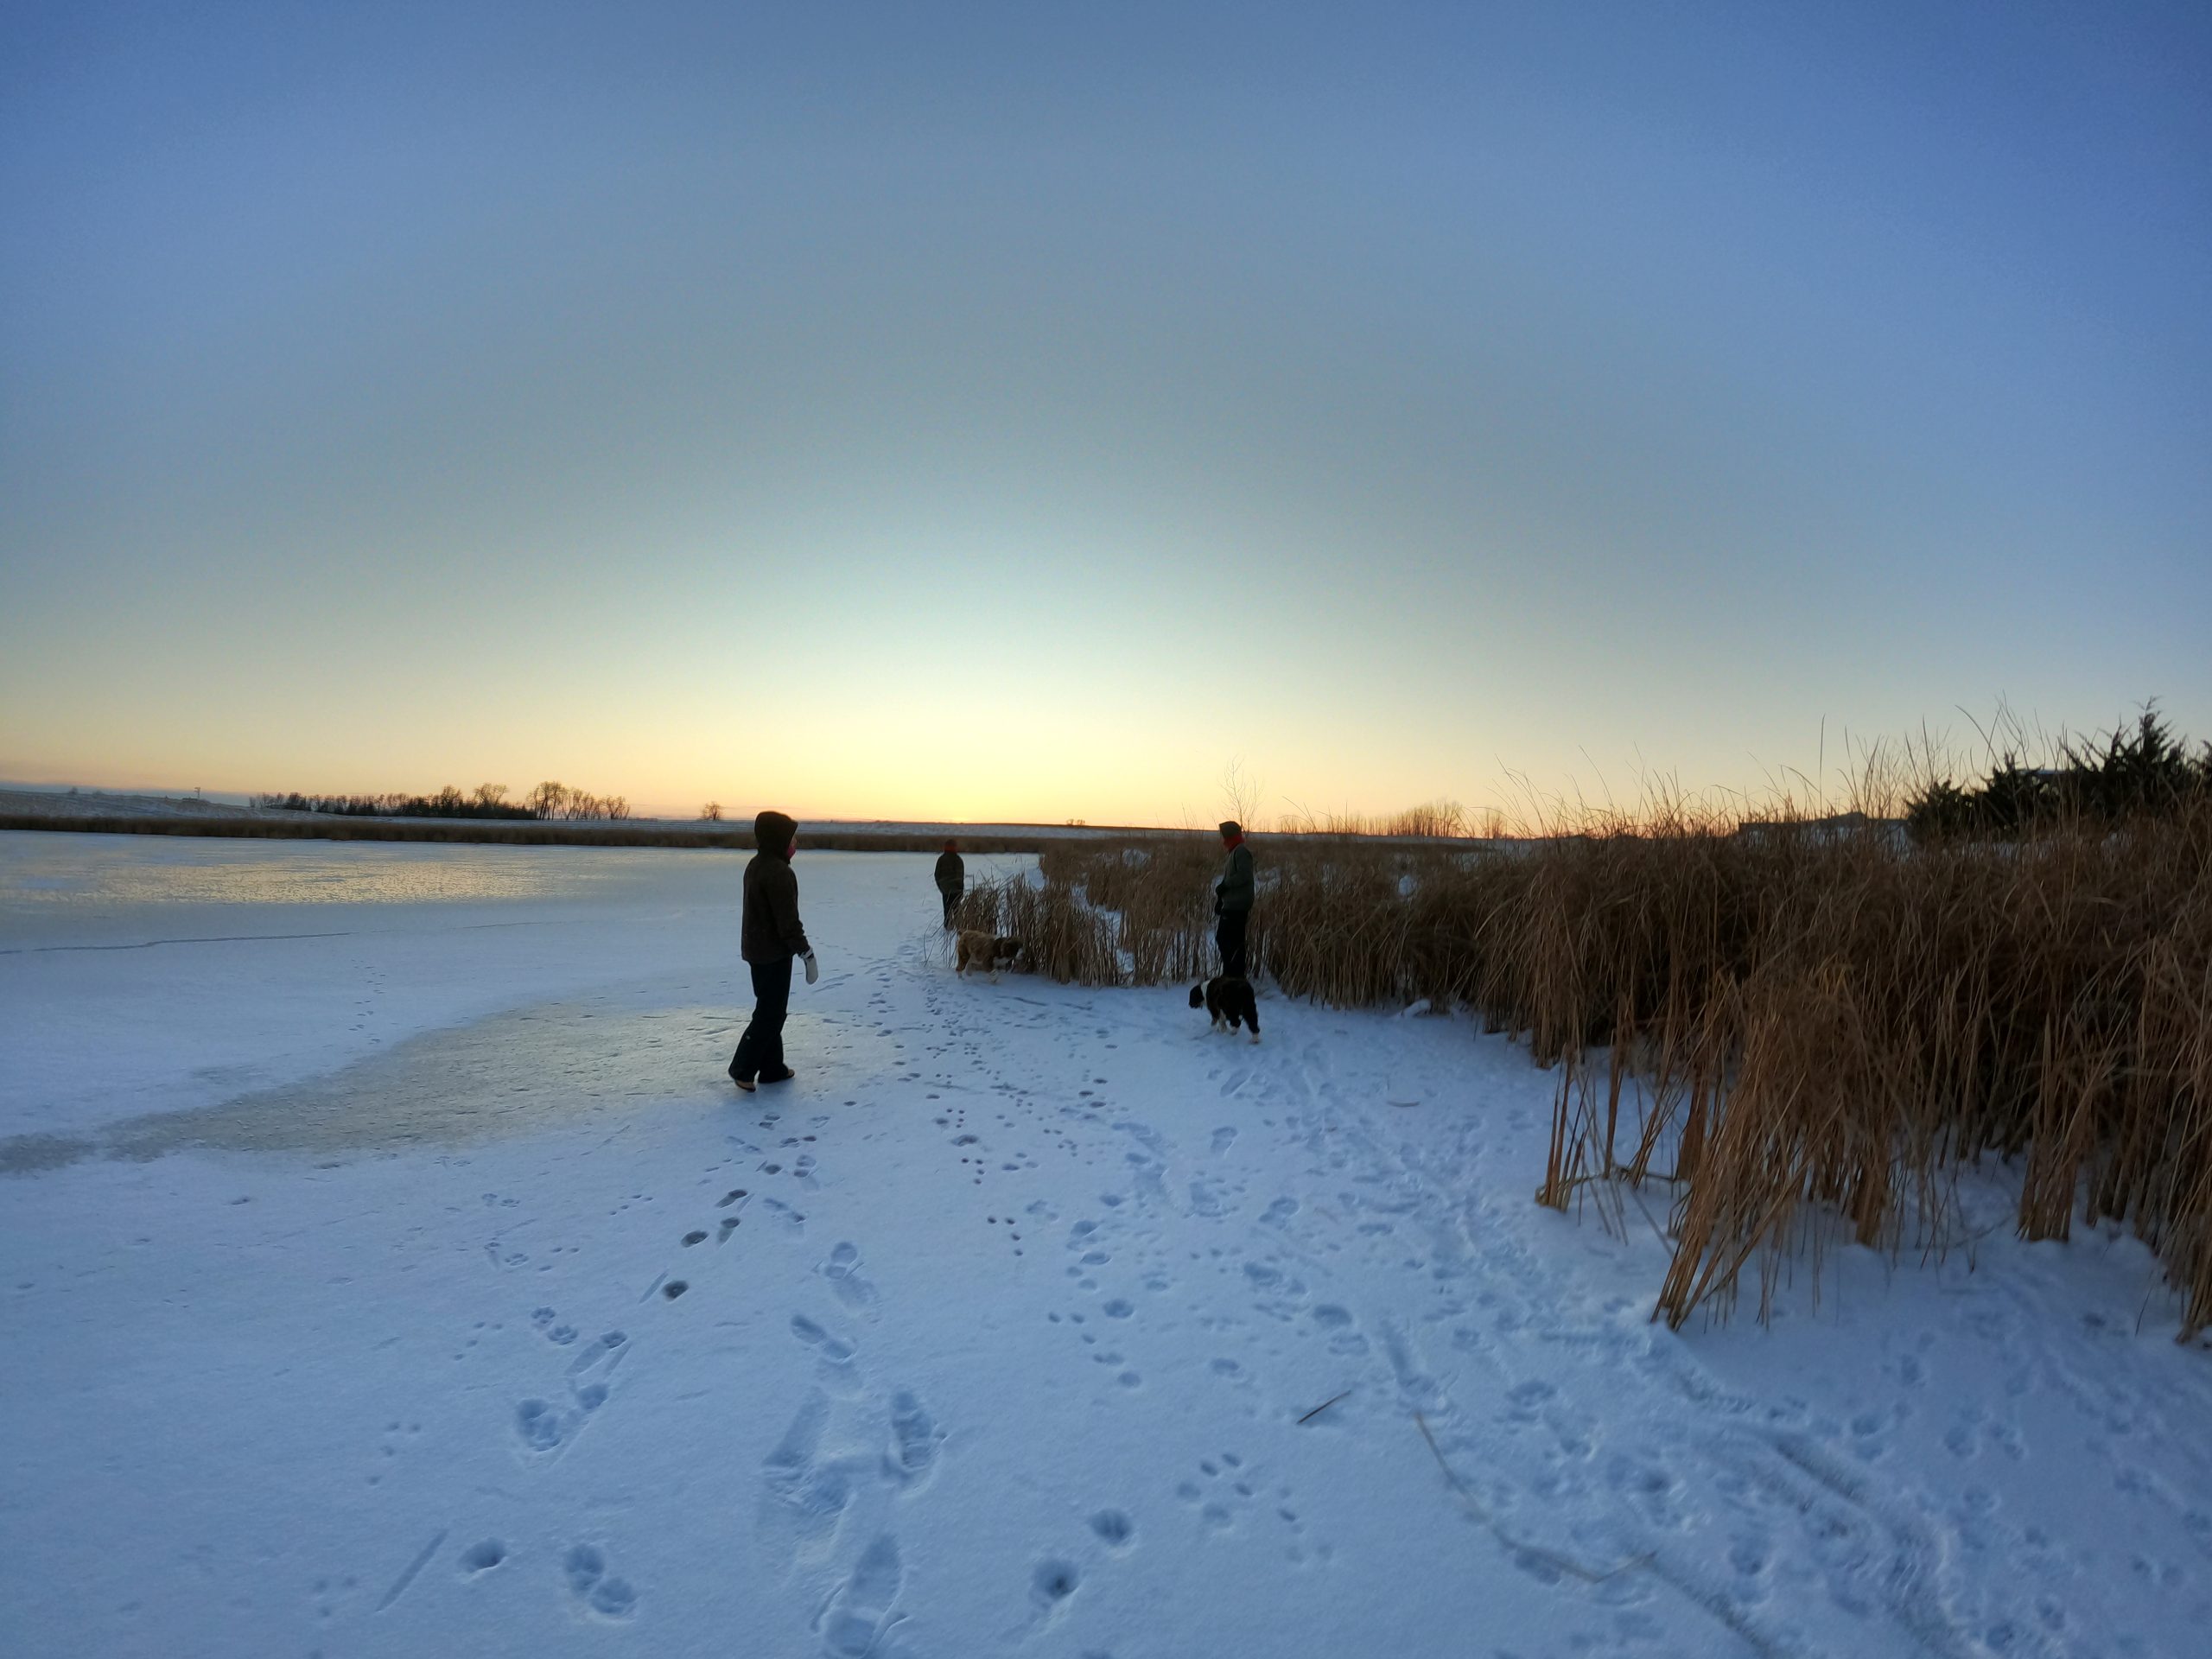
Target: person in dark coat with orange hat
951,880
1232,899
770,936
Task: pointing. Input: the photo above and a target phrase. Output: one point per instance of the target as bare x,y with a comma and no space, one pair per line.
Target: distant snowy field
343,1189
56,803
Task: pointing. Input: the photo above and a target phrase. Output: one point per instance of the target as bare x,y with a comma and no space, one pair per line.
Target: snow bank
402,1275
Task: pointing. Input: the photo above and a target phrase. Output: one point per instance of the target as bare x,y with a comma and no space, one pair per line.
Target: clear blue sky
895,409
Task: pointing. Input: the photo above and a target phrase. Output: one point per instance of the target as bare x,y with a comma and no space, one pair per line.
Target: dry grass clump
1811,1027
1061,936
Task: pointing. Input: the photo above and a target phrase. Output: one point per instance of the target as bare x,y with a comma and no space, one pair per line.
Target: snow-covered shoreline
342,1322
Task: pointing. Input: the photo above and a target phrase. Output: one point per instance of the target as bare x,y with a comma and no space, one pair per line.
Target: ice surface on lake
388,1268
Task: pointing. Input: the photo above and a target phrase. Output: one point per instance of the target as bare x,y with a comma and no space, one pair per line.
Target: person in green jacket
1232,899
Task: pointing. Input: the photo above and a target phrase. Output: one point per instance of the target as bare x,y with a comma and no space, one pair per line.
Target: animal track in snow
1114,1529
560,1335
1345,1339
1051,1582
479,1559
544,1429
609,1598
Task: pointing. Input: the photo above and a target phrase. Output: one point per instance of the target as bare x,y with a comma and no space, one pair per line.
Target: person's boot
740,1078
775,1074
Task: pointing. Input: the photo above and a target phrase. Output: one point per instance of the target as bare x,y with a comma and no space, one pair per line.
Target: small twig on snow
1323,1407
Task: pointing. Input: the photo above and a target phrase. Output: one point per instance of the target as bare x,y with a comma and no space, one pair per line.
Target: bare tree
491,794
549,799
1242,793
712,812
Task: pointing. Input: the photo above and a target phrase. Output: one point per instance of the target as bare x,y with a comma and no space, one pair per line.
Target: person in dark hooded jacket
769,936
951,880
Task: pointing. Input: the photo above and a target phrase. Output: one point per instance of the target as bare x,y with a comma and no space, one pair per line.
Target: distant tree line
2143,772
549,800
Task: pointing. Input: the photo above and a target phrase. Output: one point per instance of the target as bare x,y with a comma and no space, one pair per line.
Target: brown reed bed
1797,1032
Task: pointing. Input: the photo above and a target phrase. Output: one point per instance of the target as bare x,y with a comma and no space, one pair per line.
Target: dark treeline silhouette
549,800
2143,772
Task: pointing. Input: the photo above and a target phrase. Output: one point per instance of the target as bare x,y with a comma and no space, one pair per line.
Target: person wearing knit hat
770,936
951,880
1232,899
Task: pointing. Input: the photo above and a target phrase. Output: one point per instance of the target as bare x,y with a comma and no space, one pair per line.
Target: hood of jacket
773,833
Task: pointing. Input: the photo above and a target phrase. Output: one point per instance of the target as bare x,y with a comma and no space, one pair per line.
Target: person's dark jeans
761,1048
1229,937
952,896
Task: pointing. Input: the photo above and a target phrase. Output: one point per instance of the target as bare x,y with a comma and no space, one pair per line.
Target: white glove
813,969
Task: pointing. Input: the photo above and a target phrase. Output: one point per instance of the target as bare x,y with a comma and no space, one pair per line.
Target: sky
1034,411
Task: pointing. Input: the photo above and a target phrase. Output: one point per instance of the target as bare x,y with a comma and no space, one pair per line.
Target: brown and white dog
984,953
1228,1000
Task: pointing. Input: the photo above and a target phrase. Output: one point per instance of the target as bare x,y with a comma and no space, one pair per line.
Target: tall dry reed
1806,1029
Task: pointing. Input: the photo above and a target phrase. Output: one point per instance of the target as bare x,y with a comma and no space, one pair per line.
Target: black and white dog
1228,1002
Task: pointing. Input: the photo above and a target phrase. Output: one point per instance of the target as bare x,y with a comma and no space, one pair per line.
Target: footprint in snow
804,1496
915,1438
834,1350
857,1615
842,1269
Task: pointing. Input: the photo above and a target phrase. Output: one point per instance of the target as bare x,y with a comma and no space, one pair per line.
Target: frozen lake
390,1269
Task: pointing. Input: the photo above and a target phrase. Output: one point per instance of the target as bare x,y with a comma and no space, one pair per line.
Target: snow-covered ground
390,1269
